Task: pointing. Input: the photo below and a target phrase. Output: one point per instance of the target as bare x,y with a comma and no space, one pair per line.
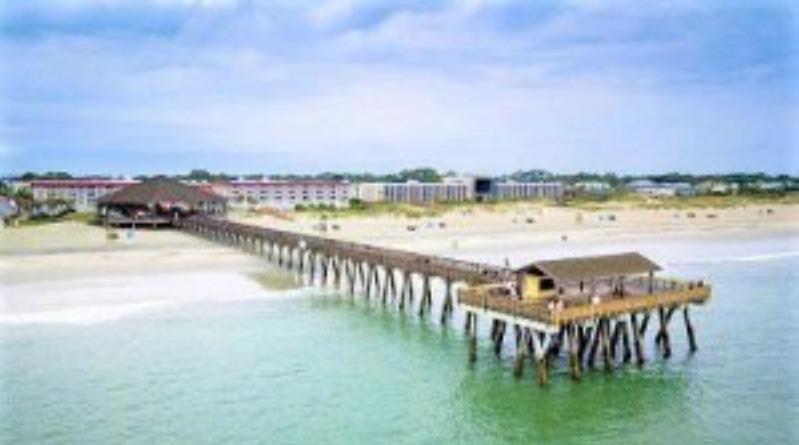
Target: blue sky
131,86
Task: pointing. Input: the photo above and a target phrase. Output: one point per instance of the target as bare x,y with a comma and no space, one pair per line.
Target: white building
718,188
593,187
370,191
415,192
286,195
653,189
78,194
527,190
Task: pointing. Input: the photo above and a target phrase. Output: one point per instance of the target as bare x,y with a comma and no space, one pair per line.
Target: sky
164,86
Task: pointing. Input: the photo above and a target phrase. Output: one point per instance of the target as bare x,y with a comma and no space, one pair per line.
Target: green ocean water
317,367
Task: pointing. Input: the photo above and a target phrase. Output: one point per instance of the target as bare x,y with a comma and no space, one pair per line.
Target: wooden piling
638,332
664,333
575,362
689,330
518,361
472,337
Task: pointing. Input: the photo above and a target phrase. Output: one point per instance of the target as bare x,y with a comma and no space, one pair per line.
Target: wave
83,315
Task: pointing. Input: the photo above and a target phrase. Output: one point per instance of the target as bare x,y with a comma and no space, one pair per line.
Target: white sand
71,274
530,225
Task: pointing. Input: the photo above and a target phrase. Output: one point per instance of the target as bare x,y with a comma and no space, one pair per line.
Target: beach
528,225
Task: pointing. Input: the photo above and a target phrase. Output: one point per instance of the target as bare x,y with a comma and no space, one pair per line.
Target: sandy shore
530,225
71,273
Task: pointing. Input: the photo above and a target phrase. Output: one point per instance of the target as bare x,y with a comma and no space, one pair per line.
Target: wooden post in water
625,340
472,337
664,333
368,284
575,361
425,294
594,344
689,330
387,276
499,337
605,339
518,361
446,309
541,351
637,341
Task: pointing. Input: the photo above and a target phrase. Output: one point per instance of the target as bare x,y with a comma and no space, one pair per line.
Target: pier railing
431,265
671,293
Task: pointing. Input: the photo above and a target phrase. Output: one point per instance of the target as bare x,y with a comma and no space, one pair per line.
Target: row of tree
428,174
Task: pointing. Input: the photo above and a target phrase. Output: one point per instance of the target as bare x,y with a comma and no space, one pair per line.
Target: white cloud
454,85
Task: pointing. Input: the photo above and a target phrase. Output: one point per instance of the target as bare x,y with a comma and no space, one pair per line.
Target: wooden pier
581,307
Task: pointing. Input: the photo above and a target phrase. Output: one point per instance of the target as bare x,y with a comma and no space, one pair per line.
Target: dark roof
586,268
160,190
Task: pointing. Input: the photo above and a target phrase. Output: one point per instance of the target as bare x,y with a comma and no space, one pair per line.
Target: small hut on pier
158,202
591,276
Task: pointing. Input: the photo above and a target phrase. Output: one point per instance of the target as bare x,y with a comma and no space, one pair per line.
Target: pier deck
581,308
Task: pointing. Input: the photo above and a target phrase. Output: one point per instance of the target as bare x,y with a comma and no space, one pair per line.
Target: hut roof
586,268
160,190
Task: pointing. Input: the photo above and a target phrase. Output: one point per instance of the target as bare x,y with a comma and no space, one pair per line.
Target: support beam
518,361
472,337
665,341
689,330
637,340
575,362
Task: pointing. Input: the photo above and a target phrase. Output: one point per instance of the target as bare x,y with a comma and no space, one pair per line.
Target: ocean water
306,366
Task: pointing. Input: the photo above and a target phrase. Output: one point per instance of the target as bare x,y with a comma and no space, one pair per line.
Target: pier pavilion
587,304
157,202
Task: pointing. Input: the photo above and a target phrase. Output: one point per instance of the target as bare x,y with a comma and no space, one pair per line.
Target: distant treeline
428,174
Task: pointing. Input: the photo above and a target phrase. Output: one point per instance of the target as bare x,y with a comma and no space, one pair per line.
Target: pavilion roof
592,267
160,190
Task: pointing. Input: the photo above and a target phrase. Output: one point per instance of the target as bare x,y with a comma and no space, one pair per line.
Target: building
651,189
593,187
456,189
286,195
17,185
718,188
770,186
370,191
78,194
157,202
527,190
414,192
8,210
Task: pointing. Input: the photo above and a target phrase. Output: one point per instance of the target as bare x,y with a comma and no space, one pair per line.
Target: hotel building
527,190
286,195
78,194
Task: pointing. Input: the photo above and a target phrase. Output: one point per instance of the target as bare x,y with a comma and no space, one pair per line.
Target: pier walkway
596,309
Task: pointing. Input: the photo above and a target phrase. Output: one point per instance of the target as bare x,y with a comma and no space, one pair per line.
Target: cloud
473,85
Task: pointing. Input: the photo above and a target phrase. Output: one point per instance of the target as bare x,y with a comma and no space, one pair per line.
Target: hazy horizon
164,86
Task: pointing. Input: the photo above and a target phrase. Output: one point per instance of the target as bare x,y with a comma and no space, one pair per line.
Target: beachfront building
511,190
414,192
76,194
285,195
158,202
651,189
593,187
456,189
8,210
717,188
370,191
